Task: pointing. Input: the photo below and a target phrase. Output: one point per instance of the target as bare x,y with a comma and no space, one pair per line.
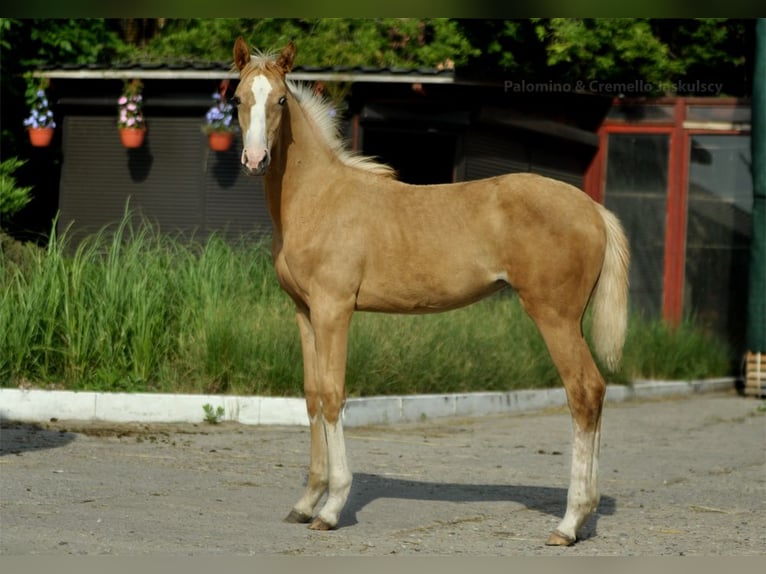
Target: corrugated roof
193,70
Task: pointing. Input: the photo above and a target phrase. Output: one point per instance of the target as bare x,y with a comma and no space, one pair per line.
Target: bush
12,197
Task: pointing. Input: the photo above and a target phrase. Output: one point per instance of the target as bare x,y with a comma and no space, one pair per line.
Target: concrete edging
41,406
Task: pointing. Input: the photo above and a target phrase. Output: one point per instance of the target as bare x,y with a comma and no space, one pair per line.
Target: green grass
134,310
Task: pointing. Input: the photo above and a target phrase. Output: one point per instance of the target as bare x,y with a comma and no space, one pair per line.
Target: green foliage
666,55
490,346
6,24
13,197
129,309
320,41
657,51
73,40
504,46
213,416
132,310
191,39
607,49
657,350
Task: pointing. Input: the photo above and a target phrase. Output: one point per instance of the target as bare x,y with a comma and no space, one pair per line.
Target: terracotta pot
132,137
220,141
40,137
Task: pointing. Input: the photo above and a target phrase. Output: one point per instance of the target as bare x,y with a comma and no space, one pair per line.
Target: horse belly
426,289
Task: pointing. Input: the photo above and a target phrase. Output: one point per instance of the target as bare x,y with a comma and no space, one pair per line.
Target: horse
348,236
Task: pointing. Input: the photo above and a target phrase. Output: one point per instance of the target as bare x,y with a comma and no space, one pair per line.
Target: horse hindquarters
585,386
601,262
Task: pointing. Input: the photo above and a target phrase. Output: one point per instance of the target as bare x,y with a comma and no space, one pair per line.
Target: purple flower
220,116
40,114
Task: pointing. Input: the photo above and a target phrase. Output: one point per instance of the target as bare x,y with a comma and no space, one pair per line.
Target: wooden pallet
755,374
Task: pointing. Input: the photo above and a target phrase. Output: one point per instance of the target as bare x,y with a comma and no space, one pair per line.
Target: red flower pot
132,137
220,141
40,137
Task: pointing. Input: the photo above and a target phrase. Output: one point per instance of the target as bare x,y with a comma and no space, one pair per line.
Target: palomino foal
348,236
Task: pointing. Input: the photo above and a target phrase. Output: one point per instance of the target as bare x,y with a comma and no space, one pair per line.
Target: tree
660,52
611,50
320,41
712,50
660,55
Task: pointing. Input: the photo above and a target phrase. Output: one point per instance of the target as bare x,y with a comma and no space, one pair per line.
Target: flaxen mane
320,111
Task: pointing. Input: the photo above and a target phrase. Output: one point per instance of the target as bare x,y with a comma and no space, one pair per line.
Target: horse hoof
296,517
559,539
320,524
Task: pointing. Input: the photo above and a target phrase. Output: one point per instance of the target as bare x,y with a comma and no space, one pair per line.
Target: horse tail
610,295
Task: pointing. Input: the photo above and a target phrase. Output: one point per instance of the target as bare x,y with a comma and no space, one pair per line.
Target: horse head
260,99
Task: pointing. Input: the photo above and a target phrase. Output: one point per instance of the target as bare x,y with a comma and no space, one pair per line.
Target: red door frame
675,214
678,182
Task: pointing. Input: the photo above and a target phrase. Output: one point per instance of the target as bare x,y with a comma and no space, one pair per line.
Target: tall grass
131,309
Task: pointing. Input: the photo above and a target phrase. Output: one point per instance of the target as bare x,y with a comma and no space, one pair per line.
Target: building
675,170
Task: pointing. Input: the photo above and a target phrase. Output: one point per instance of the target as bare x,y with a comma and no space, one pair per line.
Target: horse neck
299,155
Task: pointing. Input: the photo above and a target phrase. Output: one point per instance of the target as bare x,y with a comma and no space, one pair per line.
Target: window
636,191
719,216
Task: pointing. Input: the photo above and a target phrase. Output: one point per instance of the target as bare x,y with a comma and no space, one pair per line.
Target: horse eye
235,101
282,101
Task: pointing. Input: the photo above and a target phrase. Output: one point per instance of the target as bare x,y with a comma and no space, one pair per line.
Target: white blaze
256,146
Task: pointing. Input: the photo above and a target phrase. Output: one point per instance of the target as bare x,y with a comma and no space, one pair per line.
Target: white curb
42,406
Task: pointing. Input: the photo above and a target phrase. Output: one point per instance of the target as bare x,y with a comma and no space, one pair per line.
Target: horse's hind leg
585,390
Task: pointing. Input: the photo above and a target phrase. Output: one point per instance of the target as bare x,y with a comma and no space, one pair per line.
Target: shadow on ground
18,438
367,488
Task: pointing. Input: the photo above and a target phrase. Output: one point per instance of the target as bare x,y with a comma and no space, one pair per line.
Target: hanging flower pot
220,141
219,121
132,137
40,123
40,137
130,118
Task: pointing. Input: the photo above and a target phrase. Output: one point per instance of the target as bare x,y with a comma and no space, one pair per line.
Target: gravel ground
678,477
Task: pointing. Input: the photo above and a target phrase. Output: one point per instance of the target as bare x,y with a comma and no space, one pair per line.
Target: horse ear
241,53
286,58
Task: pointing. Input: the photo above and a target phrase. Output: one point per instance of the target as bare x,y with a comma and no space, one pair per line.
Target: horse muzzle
256,163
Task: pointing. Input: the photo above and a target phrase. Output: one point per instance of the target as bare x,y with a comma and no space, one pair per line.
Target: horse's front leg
303,511
330,319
